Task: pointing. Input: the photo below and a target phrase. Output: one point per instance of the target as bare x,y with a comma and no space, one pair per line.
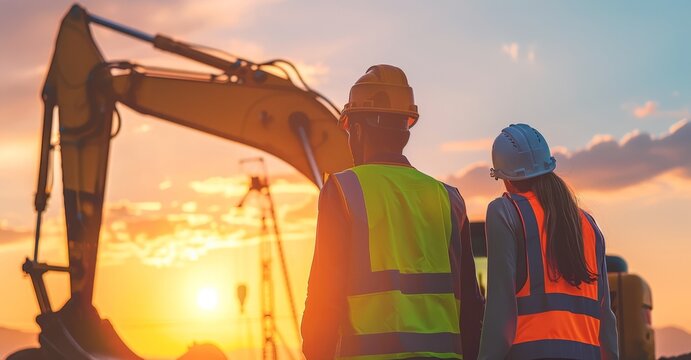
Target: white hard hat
520,152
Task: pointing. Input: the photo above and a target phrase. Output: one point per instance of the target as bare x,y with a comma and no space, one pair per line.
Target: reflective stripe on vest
402,299
556,319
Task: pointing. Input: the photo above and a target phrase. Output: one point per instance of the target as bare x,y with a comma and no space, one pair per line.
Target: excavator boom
259,105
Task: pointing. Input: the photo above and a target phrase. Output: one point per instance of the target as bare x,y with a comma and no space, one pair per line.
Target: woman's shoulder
501,206
502,211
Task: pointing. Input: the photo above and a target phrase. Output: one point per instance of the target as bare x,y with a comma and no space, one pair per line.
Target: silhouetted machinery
632,303
263,105
631,298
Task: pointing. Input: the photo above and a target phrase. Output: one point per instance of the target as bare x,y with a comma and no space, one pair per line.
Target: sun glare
207,299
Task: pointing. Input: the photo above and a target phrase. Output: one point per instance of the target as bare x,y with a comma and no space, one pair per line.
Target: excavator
264,105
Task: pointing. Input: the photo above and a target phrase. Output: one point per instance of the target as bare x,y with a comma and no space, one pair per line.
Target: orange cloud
180,231
605,164
467,145
10,235
511,50
652,109
645,110
597,139
18,152
475,181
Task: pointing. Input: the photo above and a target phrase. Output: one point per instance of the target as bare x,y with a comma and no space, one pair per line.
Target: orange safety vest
556,319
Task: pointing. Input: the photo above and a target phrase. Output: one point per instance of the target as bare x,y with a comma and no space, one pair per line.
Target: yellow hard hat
383,89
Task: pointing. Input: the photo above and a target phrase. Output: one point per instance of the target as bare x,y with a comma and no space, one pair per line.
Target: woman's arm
499,327
609,345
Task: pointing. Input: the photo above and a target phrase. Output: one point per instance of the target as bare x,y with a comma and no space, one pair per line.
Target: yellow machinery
632,303
257,104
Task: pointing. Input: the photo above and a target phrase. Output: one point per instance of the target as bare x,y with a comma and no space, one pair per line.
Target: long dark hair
565,254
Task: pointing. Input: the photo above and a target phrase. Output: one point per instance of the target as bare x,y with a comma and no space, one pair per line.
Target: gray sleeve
609,346
499,325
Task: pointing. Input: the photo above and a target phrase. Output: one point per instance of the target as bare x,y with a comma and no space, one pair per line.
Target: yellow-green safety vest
402,300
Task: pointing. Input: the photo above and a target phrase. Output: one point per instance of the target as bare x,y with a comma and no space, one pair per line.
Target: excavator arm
259,105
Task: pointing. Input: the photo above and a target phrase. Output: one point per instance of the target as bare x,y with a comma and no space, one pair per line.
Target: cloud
165,184
185,229
18,152
645,110
467,145
474,181
597,139
313,74
166,234
10,235
652,109
167,237
302,211
227,186
189,207
142,129
512,50
638,157
605,164
237,186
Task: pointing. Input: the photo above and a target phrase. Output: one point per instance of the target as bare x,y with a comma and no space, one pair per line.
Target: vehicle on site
263,105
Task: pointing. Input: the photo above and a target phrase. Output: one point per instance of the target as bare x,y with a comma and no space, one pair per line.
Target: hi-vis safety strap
402,300
574,320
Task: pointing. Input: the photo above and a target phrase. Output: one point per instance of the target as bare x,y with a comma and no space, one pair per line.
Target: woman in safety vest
548,295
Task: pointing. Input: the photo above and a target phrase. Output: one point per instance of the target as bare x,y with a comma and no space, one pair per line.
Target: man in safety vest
393,275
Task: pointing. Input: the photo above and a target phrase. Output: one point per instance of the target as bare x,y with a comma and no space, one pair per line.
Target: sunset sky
608,84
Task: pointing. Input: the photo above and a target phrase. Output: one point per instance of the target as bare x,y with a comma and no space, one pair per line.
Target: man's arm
325,304
472,301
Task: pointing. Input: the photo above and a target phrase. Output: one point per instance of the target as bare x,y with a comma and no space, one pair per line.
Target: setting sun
207,299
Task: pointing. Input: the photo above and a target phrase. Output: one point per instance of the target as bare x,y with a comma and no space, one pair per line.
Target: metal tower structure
259,184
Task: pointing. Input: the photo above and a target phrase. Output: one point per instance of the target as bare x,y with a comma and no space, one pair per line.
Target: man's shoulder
451,189
455,195
334,179
331,190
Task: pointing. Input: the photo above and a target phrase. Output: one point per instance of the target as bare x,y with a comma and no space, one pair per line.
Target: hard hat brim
344,121
500,174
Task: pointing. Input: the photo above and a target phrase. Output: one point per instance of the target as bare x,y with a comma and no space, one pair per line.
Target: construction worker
548,294
393,258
